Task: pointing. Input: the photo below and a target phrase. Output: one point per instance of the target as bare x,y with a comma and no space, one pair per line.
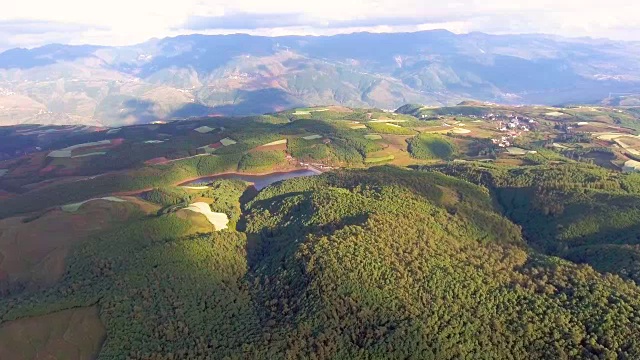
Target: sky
31,23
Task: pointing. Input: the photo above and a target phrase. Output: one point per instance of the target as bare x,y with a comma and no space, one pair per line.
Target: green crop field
378,159
384,128
431,146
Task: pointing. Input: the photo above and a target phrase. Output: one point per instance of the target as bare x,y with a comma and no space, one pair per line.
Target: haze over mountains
198,75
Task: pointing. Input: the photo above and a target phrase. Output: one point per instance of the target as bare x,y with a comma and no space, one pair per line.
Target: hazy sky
28,23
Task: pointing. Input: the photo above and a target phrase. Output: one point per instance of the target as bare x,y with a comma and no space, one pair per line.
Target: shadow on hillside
140,110
247,102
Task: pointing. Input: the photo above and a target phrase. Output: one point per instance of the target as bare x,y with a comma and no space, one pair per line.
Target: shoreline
185,182
189,180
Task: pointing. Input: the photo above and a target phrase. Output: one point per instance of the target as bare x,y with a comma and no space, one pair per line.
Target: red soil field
157,161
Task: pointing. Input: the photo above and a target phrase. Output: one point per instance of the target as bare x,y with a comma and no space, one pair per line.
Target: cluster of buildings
511,125
6,92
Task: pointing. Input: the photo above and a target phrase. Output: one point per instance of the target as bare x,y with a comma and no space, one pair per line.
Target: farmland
74,334
160,248
34,249
431,146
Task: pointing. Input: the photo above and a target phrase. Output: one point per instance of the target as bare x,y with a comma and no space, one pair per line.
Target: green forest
359,264
398,242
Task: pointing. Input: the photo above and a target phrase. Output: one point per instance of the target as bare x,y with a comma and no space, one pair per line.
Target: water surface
258,181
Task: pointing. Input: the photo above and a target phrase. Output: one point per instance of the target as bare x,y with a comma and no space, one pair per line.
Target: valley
325,232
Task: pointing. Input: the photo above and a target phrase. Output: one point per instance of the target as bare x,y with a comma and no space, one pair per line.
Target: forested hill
583,213
358,264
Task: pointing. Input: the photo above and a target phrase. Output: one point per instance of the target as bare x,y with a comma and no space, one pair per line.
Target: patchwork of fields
54,202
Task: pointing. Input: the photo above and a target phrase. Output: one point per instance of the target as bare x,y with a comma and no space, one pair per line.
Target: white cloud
118,22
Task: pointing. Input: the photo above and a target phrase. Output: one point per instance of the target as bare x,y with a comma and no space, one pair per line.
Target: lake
258,181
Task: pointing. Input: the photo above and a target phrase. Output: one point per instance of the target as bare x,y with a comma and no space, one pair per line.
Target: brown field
633,142
280,147
32,254
509,160
396,146
32,165
74,334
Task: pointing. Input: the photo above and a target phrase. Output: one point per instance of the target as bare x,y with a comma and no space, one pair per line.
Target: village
512,126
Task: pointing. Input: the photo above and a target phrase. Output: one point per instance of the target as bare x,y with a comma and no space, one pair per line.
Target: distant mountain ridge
201,75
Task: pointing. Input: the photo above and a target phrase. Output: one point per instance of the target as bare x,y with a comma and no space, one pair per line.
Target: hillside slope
372,263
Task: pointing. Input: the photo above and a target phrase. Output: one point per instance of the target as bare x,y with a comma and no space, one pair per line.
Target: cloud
29,26
30,33
123,22
245,21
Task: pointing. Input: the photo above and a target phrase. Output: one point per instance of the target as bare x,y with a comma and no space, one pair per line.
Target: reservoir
258,181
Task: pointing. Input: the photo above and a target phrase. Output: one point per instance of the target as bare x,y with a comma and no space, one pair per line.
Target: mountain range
202,75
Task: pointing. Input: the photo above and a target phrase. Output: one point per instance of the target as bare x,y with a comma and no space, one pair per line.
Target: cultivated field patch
97,153
33,250
76,206
518,151
228,142
388,121
204,129
461,131
74,334
278,142
68,152
378,159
